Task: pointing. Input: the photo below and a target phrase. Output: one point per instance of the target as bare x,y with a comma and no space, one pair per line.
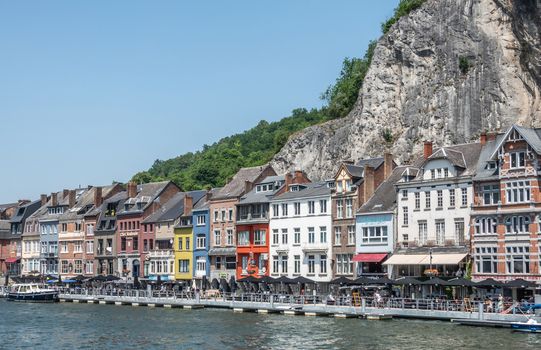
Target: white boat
530,326
32,292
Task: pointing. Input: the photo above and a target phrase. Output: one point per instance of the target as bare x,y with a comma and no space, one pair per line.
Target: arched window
517,224
486,225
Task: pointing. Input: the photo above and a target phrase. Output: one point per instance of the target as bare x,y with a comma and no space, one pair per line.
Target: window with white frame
517,259
351,234
284,209
491,194
311,207
283,262
217,237
64,266
459,231
404,194
339,209
78,247
464,197
63,247
323,264
405,216
517,224
78,266
296,208
296,235
486,259
243,238
184,266
284,236
216,217
311,264
229,236
275,210
439,194
374,235
517,160
486,225
452,198
201,242
297,264
339,186
417,200
275,264
344,264
517,191
201,264
275,236
89,267
427,200
337,235
201,220
89,247
323,234
311,235
323,206
260,237
349,208
440,232
423,231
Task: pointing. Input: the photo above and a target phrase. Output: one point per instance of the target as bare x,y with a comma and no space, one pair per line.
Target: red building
506,213
134,240
252,224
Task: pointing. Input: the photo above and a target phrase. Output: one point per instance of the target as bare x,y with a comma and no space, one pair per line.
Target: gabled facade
253,223
31,240
222,208
375,229
300,223
13,259
353,185
133,241
506,210
433,199
201,233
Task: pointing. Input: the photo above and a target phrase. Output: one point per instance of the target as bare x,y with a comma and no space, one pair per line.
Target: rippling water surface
93,326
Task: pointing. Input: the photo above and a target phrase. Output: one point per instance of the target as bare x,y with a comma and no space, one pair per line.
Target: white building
433,202
300,233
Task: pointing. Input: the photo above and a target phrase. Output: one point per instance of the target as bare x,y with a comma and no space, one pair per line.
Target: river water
93,326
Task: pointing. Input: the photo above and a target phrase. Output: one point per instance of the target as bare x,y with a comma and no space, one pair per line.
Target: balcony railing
165,253
253,217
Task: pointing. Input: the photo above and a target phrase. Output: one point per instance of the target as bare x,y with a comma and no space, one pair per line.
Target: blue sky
95,91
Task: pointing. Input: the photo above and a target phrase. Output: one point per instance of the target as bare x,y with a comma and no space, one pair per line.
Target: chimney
208,195
483,138
65,193
132,189
368,182
491,136
54,199
427,150
289,180
71,199
298,176
248,186
98,196
188,205
21,202
43,199
387,164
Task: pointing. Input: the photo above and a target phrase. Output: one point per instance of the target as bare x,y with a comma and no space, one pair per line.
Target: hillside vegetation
215,164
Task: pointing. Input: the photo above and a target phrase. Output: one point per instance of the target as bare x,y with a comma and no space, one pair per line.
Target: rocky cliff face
446,72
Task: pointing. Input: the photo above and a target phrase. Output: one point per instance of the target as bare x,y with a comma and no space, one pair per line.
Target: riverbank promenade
302,305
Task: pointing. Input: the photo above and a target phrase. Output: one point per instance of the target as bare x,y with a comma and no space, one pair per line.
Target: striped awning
424,259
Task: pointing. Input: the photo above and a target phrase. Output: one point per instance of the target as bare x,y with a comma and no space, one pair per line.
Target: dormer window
517,159
432,174
348,185
446,172
491,165
294,189
339,186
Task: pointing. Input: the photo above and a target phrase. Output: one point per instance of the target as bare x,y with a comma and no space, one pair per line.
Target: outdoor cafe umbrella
224,285
435,282
302,280
249,279
215,284
267,279
490,283
406,281
79,278
283,280
232,284
341,280
361,281
383,280
111,278
519,283
99,278
460,282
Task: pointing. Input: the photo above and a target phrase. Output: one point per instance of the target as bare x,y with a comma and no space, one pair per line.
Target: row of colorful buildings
464,210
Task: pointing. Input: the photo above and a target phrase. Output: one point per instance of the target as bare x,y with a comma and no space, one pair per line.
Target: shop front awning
405,259
222,252
424,259
369,257
12,260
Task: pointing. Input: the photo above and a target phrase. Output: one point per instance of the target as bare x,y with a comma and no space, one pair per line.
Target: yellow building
183,247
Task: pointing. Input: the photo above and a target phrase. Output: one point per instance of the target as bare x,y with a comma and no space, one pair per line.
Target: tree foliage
215,164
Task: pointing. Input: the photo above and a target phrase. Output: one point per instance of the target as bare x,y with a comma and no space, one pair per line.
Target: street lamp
430,254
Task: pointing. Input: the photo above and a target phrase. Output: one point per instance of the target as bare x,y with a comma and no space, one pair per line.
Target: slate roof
313,189
384,198
42,213
203,204
146,194
483,172
236,186
118,198
262,197
27,210
174,208
464,156
84,203
7,206
5,229
531,135
357,170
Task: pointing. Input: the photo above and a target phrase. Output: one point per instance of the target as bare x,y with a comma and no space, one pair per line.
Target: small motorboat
32,292
530,326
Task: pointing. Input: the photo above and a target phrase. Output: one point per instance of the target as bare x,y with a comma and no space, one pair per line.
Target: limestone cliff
445,72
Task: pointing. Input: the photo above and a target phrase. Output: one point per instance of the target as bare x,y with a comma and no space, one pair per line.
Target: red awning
369,257
12,260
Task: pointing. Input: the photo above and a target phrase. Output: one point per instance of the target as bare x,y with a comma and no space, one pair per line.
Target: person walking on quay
500,303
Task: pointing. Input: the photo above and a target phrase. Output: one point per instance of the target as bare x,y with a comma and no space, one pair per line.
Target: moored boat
32,292
531,326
